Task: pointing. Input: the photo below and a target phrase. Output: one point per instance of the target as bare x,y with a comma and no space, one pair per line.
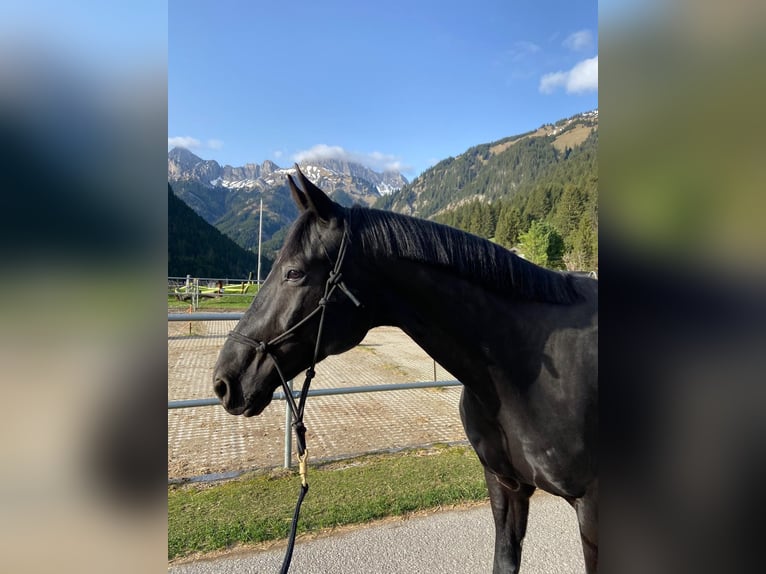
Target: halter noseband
335,279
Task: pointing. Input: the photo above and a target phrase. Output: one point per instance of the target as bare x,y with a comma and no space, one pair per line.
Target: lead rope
333,281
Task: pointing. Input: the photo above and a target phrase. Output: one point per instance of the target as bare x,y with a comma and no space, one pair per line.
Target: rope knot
334,277
261,347
300,430
310,373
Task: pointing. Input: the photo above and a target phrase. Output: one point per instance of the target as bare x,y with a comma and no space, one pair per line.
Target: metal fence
280,395
192,289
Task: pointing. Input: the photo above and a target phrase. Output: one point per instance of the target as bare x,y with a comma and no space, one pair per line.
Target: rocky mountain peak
180,161
229,197
184,165
268,167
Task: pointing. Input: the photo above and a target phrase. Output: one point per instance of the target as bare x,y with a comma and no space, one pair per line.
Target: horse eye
294,275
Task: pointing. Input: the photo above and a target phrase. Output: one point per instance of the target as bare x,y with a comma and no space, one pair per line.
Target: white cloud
183,141
189,142
375,160
321,151
579,41
549,82
583,77
277,154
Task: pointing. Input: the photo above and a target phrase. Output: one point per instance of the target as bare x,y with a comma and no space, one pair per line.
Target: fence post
288,430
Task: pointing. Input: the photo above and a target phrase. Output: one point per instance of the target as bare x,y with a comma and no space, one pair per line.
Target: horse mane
389,234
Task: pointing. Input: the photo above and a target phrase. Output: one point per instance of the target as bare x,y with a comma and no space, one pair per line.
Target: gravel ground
207,440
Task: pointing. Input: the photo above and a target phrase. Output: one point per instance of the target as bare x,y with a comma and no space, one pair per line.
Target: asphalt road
456,541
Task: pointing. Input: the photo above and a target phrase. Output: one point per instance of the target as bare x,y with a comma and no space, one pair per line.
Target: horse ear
298,196
316,199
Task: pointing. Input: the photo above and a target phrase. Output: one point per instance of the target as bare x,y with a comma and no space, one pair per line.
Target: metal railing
192,289
280,395
202,316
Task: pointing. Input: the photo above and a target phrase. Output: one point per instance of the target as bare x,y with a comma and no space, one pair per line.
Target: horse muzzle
233,399
230,395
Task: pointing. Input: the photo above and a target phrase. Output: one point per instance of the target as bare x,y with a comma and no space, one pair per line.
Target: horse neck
453,319
464,301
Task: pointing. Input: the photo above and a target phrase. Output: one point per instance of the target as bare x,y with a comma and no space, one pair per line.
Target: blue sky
395,84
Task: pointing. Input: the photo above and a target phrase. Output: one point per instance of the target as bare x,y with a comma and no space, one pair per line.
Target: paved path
457,541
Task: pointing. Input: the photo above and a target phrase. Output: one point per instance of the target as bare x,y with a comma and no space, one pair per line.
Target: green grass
225,303
204,518
232,300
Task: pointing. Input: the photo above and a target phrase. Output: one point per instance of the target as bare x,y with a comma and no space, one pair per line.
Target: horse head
277,336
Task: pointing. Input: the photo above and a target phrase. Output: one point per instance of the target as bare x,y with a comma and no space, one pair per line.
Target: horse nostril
221,388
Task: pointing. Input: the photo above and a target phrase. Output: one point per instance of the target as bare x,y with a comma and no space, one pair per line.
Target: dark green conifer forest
559,205
198,249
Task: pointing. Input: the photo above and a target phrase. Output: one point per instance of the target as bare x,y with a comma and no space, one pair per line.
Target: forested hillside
197,248
553,221
537,192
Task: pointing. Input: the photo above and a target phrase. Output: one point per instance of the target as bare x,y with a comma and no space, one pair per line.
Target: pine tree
488,220
542,245
508,225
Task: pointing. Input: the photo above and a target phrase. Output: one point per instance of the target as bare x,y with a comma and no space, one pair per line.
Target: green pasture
234,297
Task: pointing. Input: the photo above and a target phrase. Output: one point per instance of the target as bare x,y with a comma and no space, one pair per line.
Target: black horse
521,339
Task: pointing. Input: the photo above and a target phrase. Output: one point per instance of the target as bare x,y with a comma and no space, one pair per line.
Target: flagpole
260,229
